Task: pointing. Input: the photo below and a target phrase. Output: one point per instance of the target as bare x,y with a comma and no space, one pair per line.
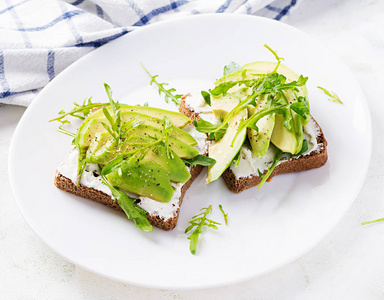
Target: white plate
267,228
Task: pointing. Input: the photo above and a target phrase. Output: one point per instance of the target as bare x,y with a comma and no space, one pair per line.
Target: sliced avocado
263,67
109,150
173,164
183,150
260,140
222,105
100,140
143,178
282,138
177,172
105,153
235,76
222,151
142,134
177,119
91,126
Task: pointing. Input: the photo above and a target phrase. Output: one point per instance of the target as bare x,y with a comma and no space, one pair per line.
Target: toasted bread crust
69,186
187,111
301,163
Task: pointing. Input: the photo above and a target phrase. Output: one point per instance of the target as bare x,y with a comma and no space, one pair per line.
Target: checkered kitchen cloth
40,38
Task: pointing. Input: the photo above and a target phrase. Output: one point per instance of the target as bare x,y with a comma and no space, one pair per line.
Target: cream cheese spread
201,138
249,164
91,178
198,105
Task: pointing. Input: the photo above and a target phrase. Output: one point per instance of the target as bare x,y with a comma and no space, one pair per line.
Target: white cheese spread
201,138
198,105
91,178
249,164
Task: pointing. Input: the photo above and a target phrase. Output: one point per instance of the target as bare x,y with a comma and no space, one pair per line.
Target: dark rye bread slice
315,159
69,186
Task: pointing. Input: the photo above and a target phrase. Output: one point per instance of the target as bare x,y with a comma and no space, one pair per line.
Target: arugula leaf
265,177
278,58
222,88
62,130
166,134
236,159
79,111
224,214
207,97
333,96
220,132
373,221
303,148
215,131
168,94
199,221
115,129
133,212
301,108
232,67
205,126
201,160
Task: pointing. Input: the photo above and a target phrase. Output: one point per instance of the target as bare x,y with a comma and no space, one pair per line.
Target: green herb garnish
199,221
201,160
276,160
207,97
62,130
333,96
275,89
278,58
232,67
115,129
80,111
168,93
373,221
133,212
304,148
224,214
216,131
236,159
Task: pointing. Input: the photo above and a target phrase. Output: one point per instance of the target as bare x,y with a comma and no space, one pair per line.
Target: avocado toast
253,125
137,159
258,119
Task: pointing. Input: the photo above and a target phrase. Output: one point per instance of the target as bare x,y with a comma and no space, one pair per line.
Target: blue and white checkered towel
40,38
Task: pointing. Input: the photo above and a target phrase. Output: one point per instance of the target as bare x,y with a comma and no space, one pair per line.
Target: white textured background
348,264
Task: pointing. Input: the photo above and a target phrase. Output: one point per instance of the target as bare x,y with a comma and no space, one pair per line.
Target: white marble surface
348,264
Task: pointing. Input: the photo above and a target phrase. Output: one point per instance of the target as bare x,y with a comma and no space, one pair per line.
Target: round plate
266,228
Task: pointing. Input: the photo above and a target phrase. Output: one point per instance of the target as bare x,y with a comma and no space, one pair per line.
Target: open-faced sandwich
258,119
254,124
138,159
